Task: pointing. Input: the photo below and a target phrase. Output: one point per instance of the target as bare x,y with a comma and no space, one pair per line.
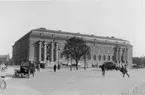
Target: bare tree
75,48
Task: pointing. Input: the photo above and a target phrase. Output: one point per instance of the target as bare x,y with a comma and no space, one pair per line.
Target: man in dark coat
54,67
38,66
124,70
103,69
32,69
58,66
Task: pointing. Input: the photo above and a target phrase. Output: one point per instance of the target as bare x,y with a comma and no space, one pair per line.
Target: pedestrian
6,64
124,70
54,67
32,69
103,69
121,69
38,68
58,66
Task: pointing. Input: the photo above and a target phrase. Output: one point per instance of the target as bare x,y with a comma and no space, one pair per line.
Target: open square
76,82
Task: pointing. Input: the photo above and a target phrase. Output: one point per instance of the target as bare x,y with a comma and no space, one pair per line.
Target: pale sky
119,18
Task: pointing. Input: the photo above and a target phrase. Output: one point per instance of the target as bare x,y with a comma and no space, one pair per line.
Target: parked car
135,66
110,66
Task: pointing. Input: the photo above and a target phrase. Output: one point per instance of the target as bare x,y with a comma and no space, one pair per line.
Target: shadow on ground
9,75
12,76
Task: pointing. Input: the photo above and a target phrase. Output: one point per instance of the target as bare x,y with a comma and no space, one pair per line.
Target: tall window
113,58
99,57
104,57
94,57
89,57
55,51
48,51
42,51
108,58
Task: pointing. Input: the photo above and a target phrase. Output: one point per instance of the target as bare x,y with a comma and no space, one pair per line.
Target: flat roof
78,34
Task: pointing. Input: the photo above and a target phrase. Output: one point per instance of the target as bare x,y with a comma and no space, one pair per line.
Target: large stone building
46,46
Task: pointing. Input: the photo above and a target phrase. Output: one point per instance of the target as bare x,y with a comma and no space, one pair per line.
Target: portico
121,54
48,51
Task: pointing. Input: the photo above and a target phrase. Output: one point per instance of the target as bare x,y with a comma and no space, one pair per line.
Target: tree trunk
85,65
84,62
76,65
70,67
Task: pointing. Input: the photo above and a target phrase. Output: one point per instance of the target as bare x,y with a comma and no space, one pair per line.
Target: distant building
4,59
46,46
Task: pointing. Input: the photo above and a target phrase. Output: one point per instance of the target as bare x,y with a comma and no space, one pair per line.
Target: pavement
8,73
138,89
65,82
14,86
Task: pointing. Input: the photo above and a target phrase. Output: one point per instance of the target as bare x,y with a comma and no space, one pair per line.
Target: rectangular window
48,51
99,57
94,57
89,57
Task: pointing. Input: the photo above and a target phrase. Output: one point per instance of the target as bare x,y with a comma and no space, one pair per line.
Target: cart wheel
3,84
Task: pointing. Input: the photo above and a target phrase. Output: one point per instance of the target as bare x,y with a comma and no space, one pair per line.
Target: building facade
4,59
46,46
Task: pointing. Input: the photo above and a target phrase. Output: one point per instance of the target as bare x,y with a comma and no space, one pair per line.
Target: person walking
103,69
32,69
54,67
38,66
58,67
124,70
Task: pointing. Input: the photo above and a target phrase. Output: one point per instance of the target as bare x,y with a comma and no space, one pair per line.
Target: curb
131,90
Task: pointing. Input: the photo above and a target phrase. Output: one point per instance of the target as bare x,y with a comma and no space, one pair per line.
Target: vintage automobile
110,66
26,69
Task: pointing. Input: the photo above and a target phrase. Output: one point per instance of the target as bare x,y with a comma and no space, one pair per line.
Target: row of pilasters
121,55
45,51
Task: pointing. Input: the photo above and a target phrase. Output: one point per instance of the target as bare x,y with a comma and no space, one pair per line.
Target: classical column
57,50
120,55
126,55
116,55
40,45
45,51
52,51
